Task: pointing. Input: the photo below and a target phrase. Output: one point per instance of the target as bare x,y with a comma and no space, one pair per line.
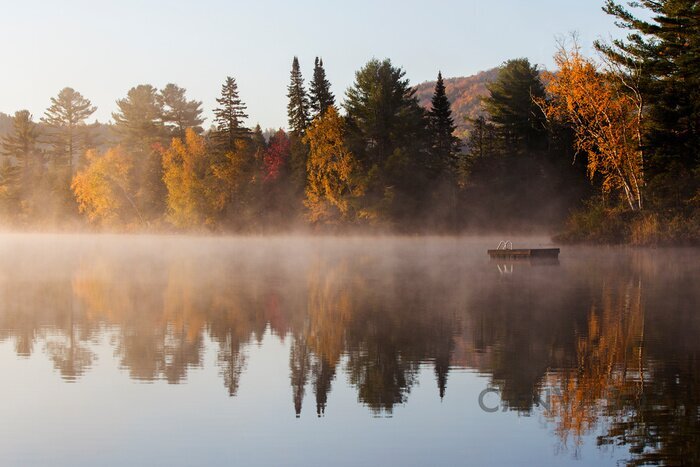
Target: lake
146,350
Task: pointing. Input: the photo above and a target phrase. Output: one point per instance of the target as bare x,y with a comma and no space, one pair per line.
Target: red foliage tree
277,155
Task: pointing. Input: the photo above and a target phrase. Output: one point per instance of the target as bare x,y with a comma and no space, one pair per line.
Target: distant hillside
464,93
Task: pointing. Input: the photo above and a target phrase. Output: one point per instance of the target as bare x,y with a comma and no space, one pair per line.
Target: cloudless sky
103,48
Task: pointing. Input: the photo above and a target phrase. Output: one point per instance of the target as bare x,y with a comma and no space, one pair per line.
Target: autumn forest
603,148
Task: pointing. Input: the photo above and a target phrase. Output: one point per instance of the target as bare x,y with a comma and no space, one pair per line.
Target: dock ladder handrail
505,245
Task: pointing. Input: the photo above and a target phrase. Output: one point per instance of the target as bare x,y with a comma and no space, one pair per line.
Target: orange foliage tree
606,119
190,181
102,188
332,181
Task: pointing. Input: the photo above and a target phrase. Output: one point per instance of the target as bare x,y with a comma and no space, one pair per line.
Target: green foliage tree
179,113
444,144
320,95
230,115
139,124
512,108
298,106
23,165
66,118
387,132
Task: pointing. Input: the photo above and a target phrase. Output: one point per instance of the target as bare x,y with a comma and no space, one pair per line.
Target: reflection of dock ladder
505,245
505,269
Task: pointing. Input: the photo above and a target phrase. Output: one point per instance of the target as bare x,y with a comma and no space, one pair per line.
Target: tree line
604,149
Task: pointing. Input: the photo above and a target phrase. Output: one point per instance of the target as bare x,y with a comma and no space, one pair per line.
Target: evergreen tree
298,107
387,132
320,94
139,123
23,165
179,114
230,115
21,143
512,108
139,120
444,144
66,117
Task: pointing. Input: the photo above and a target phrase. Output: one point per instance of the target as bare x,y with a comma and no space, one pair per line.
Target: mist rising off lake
366,351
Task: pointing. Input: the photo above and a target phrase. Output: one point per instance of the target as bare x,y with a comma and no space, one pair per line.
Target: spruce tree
66,118
444,144
298,107
320,94
230,115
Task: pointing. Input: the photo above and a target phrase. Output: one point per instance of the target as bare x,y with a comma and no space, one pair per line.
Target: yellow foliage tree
605,117
332,181
191,185
101,188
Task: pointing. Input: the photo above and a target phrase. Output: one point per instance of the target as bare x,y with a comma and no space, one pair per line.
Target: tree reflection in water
612,337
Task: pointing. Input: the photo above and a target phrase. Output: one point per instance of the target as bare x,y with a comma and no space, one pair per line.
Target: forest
602,149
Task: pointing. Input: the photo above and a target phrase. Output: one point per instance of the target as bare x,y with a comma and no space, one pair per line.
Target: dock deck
523,253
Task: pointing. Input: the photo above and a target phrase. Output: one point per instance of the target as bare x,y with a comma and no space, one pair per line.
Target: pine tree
444,144
512,108
21,143
139,124
66,117
23,164
320,94
298,107
387,132
179,114
230,115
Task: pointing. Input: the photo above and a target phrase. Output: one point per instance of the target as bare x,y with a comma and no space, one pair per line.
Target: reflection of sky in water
127,350
109,419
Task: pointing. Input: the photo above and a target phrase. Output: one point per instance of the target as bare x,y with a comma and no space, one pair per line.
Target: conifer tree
22,167
179,113
230,115
21,143
444,144
298,107
320,95
66,117
139,123
512,108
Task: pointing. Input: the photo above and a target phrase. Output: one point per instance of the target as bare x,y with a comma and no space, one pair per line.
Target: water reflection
610,334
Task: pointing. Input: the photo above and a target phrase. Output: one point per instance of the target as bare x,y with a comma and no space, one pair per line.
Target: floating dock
505,251
524,253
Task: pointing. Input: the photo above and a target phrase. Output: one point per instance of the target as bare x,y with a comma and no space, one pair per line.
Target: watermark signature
490,399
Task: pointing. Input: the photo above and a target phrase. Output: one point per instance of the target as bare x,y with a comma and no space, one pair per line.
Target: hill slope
464,93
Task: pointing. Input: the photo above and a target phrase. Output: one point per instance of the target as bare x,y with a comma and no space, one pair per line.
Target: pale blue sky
102,48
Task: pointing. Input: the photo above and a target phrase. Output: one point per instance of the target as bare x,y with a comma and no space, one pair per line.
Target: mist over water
286,350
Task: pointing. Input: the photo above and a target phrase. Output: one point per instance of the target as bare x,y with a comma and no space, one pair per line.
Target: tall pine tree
230,115
320,94
444,144
66,118
298,107
179,113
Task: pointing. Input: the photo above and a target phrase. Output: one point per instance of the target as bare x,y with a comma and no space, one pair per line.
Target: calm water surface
292,351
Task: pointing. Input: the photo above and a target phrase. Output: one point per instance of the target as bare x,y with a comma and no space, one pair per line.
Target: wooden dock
524,253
